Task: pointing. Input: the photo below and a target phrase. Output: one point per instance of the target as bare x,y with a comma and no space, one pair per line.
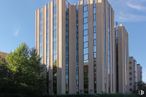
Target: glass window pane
94,49
94,10
85,50
85,8
85,20
94,24
85,44
94,35
85,32
85,14
94,55
86,61
86,26
94,29
86,57
94,42
85,38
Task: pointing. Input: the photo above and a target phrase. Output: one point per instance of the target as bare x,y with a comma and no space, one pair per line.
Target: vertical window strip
41,34
94,43
54,48
47,36
77,55
85,50
67,50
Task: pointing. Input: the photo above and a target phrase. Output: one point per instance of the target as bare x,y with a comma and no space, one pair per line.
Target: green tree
27,71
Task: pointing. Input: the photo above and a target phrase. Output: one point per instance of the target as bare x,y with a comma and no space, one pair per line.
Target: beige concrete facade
72,49
45,45
139,73
135,74
105,69
63,46
122,55
3,56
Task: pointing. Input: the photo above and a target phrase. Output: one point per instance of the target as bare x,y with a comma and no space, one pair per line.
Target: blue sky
17,24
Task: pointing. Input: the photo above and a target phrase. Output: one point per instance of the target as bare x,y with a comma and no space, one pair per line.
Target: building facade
96,46
3,56
122,59
77,44
139,73
135,74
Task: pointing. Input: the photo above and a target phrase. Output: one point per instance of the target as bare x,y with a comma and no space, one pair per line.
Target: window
85,14
85,38
94,35
85,32
85,20
86,26
86,57
94,54
130,84
86,51
85,44
94,29
130,73
94,11
130,78
85,8
130,68
94,49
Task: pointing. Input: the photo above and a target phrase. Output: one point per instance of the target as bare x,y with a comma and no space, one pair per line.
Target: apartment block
77,44
3,56
139,73
122,59
135,74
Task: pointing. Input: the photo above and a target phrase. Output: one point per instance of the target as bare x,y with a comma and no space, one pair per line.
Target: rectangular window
94,42
86,26
85,32
85,8
94,23
85,14
85,38
94,11
85,50
85,20
94,55
85,44
94,29
94,35
86,57
94,49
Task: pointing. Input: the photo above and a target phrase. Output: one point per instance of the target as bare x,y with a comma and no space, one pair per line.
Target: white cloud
129,17
16,33
136,5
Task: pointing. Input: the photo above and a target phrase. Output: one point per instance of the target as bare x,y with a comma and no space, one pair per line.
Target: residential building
135,74
77,44
3,56
139,73
3,70
122,58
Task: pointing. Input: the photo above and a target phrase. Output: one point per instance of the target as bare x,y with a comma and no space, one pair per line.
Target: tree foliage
26,73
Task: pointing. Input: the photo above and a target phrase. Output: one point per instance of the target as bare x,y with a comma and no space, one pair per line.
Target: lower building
135,74
122,58
3,56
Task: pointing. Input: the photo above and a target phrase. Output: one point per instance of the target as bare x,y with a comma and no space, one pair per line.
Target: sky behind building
17,24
